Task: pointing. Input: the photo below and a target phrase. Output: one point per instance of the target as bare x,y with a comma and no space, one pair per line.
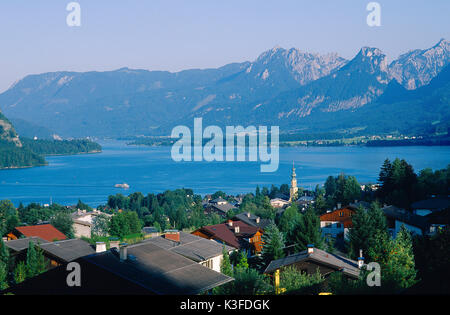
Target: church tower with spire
294,188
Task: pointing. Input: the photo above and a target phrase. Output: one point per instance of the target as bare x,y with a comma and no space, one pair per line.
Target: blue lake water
92,177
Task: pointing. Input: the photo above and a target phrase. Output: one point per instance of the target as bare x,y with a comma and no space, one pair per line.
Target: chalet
304,202
44,231
431,205
252,220
82,222
279,203
336,223
236,234
203,251
143,268
56,253
313,259
416,224
219,206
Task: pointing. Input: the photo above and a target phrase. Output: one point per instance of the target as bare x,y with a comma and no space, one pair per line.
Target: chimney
258,220
100,247
339,205
248,214
123,251
236,229
310,248
173,235
114,242
230,223
360,259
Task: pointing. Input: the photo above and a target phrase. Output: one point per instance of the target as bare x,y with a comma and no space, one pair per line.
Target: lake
92,177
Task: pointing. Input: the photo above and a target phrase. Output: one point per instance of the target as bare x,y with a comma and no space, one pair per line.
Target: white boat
124,186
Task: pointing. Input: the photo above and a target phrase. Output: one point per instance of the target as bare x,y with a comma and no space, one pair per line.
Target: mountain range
299,91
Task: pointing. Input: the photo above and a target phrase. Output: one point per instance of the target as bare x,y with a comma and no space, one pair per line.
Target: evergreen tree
273,244
360,233
225,265
366,224
307,231
4,253
3,276
243,263
32,261
288,218
20,273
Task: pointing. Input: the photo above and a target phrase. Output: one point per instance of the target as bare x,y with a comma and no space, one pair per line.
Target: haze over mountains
298,91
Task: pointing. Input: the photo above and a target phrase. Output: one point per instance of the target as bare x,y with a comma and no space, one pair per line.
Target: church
293,192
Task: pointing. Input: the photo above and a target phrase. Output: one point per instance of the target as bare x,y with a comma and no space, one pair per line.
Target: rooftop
68,250
348,266
23,243
45,231
190,246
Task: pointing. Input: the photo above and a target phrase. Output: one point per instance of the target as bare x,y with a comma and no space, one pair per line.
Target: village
290,238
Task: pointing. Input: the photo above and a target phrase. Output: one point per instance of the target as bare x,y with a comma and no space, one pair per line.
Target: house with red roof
236,234
337,222
44,231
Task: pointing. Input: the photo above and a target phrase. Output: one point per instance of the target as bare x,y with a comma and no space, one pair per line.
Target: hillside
299,91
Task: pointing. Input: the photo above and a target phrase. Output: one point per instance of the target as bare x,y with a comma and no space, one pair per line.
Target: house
252,220
313,259
142,268
150,231
431,205
18,247
56,253
236,234
396,217
82,222
62,252
337,223
304,202
203,251
45,231
219,206
279,203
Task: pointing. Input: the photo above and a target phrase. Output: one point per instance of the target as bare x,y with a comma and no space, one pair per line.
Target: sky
175,35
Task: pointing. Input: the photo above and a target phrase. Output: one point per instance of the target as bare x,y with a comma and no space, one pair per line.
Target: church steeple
294,188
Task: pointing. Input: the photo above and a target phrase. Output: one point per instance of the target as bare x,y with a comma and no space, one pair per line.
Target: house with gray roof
313,259
143,268
203,251
252,220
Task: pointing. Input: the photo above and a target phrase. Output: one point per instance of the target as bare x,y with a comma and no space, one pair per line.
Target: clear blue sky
180,34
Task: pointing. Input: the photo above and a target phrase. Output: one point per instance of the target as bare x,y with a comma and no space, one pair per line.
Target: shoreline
46,164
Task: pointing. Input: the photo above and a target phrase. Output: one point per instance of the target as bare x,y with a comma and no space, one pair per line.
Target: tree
288,218
9,217
3,276
4,253
100,225
225,265
243,263
64,223
307,231
20,273
396,260
32,261
297,282
273,244
248,281
366,224
35,262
